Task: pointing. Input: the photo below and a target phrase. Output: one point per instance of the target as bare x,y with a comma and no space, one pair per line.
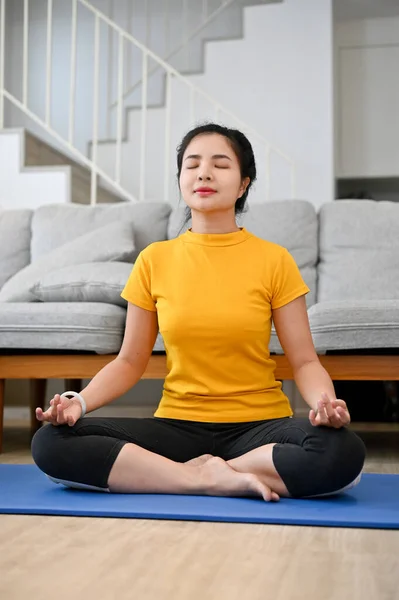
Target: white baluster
186,35
110,68
147,23
167,29
168,117
72,81
93,188
119,117
143,127
49,60
2,59
129,58
25,65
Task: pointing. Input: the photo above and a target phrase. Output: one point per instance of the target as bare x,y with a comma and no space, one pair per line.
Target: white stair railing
114,180
207,17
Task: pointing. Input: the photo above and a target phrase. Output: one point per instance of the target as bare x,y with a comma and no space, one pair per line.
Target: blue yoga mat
374,503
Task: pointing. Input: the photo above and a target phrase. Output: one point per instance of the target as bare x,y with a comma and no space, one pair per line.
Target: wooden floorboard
116,559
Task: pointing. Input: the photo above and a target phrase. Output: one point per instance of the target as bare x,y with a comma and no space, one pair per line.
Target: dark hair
242,148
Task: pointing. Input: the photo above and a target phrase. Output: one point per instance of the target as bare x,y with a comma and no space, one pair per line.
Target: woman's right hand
62,411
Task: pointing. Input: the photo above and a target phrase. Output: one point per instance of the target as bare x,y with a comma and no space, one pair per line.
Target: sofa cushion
114,242
15,240
359,251
356,324
76,326
89,282
54,225
91,326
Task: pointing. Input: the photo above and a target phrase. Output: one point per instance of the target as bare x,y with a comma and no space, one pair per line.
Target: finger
332,414
327,403
340,403
344,415
43,415
53,406
70,420
275,497
321,417
60,415
312,417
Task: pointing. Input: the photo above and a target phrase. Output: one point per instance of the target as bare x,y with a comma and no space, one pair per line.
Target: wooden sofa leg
37,399
2,394
74,385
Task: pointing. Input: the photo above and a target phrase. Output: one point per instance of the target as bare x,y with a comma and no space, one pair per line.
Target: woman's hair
242,148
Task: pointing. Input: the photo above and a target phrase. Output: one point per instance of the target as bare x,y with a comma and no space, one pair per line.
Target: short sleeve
138,287
287,281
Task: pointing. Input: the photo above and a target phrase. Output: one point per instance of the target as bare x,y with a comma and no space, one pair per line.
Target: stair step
40,153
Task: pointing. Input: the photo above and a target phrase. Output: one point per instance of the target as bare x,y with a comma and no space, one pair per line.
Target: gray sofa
62,268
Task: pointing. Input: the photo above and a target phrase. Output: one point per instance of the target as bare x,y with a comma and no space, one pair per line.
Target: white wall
367,84
28,187
278,80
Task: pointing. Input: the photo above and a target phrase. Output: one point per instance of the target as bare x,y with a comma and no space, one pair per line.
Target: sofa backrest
15,239
53,225
359,251
290,223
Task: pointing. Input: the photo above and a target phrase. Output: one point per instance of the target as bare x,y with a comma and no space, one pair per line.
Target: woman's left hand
330,413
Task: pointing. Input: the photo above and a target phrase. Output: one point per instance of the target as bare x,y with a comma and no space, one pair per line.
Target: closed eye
216,167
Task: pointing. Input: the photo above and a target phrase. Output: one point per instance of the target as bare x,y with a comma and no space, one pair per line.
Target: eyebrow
215,156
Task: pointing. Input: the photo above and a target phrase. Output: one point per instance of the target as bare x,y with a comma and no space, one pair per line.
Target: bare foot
221,480
199,460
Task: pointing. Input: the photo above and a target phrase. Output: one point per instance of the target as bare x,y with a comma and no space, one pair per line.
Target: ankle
198,480
208,476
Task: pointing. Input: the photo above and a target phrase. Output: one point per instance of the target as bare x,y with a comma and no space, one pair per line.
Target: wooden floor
42,558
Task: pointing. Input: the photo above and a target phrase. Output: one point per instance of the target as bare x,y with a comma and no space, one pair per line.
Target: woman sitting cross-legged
223,426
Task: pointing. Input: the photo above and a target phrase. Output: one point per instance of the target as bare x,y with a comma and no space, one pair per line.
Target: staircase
34,173
116,136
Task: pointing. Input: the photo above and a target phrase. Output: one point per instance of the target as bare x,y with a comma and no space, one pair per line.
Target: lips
205,191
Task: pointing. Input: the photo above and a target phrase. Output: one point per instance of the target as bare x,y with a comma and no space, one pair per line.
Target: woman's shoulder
271,247
157,249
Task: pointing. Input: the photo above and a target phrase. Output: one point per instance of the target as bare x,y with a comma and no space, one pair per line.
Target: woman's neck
213,223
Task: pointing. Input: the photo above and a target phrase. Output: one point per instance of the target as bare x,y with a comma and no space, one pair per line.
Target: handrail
79,155
115,179
200,27
218,106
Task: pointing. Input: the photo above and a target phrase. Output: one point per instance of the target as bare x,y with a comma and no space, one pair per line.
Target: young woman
224,425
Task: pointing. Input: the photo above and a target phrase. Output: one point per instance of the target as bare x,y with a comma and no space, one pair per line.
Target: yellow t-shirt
214,295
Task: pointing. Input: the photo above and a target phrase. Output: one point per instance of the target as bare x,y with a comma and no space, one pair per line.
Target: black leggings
310,460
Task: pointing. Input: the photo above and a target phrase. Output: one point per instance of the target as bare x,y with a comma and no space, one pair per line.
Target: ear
244,184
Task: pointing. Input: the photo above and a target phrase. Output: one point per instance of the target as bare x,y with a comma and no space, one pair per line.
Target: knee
347,453
45,448
343,459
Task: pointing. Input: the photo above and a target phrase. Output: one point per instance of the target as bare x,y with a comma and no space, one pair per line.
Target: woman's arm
314,383
293,330
117,377
120,375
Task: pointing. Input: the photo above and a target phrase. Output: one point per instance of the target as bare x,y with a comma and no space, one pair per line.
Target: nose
204,177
